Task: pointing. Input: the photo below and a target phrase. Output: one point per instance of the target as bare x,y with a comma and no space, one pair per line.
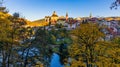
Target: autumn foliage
89,48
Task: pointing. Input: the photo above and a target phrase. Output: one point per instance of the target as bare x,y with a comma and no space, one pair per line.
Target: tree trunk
91,57
4,59
3,64
26,58
9,53
10,49
87,59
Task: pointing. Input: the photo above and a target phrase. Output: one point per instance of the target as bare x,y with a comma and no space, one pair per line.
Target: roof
54,15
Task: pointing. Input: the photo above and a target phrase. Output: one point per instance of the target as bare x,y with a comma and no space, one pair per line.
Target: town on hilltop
69,23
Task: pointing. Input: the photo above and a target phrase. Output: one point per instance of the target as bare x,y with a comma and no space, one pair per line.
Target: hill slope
40,22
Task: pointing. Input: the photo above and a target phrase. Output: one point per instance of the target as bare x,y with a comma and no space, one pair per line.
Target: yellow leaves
77,63
88,33
117,65
39,65
74,50
87,41
4,22
117,41
105,64
4,15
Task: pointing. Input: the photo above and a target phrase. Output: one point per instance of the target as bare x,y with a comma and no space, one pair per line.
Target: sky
38,9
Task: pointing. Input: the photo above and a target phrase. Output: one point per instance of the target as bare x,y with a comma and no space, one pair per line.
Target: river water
55,62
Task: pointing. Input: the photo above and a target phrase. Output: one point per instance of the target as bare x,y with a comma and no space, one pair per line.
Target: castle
54,18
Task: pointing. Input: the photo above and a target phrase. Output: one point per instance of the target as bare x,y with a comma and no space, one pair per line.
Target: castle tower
66,16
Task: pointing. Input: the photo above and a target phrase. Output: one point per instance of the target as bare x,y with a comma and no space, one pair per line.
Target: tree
10,37
26,44
115,4
5,38
87,35
89,49
2,9
43,43
16,15
117,42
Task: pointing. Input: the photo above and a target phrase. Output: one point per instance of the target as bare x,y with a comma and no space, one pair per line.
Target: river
55,62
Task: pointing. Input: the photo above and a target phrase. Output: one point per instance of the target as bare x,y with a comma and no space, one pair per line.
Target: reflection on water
55,62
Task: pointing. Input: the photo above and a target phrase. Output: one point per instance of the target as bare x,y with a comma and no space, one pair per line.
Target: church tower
54,13
66,16
90,15
54,18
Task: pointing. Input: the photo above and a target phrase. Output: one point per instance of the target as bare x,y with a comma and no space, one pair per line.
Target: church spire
54,13
66,16
90,15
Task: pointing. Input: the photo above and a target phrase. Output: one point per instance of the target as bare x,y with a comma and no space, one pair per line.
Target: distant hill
40,22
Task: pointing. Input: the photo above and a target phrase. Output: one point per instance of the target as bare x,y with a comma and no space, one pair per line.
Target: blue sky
37,9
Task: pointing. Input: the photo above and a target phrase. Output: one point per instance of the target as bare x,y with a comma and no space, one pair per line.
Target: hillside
40,22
